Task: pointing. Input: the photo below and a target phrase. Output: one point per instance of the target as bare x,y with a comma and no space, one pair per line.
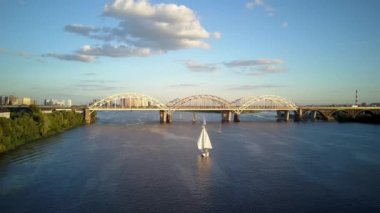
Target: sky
307,51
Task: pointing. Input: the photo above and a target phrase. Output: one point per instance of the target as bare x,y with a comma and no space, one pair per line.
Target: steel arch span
199,102
264,102
128,101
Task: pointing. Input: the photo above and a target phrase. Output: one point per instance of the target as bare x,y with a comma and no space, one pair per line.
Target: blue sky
310,52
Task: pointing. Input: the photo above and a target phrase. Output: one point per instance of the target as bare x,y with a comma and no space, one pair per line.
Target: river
128,162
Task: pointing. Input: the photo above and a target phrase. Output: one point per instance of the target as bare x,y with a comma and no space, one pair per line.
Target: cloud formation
285,24
144,29
24,54
80,29
268,9
253,4
101,87
258,66
115,51
253,62
161,26
71,57
94,84
217,35
200,67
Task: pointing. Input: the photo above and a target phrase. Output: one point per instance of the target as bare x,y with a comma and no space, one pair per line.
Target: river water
128,162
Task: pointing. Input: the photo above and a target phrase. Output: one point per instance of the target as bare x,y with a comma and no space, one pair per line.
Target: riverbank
30,125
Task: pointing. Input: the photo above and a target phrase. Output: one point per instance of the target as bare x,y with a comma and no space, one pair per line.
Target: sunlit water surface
128,162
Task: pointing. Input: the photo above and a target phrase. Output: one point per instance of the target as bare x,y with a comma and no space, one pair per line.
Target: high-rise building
69,103
13,100
54,102
3,100
26,101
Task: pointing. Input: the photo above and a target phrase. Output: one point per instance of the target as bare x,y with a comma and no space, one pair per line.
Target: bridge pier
226,116
194,118
283,115
168,117
236,117
87,115
298,115
165,117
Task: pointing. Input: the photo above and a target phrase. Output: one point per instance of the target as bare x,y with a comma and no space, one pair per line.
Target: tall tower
356,98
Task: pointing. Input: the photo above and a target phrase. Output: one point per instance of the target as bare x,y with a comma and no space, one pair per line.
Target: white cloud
266,69
253,62
257,67
161,26
217,35
273,69
24,54
253,4
285,24
116,51
200,67
80,29
71,57
268,9
145,29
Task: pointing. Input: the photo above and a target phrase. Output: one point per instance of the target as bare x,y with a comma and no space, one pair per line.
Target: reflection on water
204,166
128,162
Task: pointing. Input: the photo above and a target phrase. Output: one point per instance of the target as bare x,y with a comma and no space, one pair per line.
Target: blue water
128,162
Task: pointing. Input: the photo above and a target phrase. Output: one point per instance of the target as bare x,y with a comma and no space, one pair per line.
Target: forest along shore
29,125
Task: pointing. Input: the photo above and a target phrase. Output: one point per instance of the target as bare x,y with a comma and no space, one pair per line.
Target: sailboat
204,143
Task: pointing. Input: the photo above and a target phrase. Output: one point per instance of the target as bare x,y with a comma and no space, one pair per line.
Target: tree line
30,125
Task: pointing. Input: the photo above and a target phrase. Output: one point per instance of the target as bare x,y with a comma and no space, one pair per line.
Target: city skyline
317,52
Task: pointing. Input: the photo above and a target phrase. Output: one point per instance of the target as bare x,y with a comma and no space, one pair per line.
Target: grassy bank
27,126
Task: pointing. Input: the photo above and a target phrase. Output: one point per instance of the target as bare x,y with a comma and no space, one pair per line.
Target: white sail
204,140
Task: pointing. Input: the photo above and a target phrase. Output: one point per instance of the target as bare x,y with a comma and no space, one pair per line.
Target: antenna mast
356,97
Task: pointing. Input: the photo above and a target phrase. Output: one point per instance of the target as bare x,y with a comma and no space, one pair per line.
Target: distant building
69,103
54,102
4,100
5,113
13,100
26,101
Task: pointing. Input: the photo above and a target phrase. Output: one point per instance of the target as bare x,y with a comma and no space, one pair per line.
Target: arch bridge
205,103
211,103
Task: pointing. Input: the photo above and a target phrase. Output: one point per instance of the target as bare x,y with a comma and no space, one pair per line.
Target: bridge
228,110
